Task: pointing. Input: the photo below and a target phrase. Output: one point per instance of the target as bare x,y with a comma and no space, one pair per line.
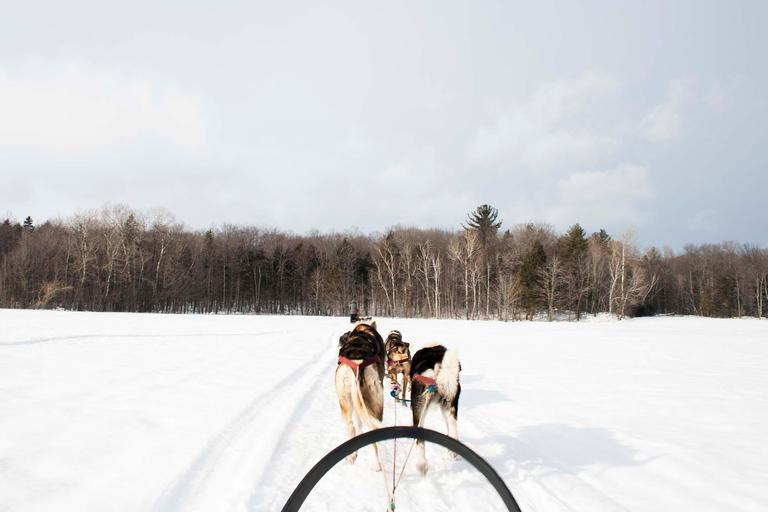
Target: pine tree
10,233
529,277
573,249
574,244
131,229
602,236
28,224
483,222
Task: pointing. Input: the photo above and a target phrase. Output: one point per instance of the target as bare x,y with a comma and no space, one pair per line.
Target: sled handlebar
337,454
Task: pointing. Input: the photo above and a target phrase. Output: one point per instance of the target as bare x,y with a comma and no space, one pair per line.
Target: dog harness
358,367
426,380
392,361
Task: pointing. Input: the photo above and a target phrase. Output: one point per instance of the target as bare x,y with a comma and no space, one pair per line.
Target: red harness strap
426,380
361,366
392,361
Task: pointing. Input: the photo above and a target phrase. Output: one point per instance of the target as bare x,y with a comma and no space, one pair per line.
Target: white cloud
538,133
716,97
666,121
704,220
73,107
615,198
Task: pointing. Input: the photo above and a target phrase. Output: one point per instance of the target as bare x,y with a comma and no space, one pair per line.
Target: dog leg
376,465
450,422
421,459
347,416
346,403
418,399
373,400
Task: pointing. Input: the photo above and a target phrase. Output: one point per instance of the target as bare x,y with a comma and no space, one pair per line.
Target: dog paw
422,467
351,458
452,456
375,466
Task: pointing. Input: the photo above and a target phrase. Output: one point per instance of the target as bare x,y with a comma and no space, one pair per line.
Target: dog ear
373,325
406,344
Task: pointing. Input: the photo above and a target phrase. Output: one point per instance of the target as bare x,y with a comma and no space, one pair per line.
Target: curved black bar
335,456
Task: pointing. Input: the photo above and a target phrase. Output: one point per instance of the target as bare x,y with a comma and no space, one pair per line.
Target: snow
130,412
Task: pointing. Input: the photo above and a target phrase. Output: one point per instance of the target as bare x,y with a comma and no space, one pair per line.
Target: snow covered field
127,412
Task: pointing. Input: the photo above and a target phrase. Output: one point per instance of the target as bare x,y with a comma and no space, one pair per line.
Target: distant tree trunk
487,290
224,283
436,271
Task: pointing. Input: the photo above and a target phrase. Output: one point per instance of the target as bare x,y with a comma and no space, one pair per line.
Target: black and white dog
437,368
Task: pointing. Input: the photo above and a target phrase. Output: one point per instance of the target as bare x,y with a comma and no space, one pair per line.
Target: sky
306,115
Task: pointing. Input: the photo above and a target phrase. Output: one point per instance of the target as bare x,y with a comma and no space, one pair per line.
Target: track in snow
156,413
317,429
219,478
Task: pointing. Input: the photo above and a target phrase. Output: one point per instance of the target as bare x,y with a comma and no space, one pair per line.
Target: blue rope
392,394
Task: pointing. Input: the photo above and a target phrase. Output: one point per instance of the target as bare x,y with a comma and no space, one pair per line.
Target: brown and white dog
439,367
398,360
359,378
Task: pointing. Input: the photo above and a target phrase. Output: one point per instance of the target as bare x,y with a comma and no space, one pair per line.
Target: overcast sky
331,115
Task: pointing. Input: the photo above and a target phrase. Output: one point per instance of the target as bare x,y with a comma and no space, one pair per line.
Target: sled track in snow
119,336
265,419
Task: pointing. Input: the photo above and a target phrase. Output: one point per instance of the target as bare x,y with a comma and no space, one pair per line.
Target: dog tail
447,381
369,399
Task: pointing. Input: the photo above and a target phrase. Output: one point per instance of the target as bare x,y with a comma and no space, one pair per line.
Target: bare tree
425,255
119,259
113,218
551,278
630,282
83,228
387,269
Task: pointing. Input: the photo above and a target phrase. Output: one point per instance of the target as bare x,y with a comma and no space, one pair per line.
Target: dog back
425,362
392,338
363,343
426,359
399,353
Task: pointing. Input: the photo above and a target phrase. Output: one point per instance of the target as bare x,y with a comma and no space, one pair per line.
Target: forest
119,259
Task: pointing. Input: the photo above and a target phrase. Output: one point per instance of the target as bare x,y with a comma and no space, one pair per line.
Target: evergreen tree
573,249
602,236
28,224
131,229
529,277
574,244
10,233
483,220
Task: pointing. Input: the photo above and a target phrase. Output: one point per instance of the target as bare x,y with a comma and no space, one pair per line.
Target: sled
339,453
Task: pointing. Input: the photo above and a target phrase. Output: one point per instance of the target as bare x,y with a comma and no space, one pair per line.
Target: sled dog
359,381
392,337
398,360
438,367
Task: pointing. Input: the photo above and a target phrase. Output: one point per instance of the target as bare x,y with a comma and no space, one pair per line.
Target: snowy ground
125,412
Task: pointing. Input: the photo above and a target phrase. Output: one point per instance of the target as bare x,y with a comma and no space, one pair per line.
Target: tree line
119,259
